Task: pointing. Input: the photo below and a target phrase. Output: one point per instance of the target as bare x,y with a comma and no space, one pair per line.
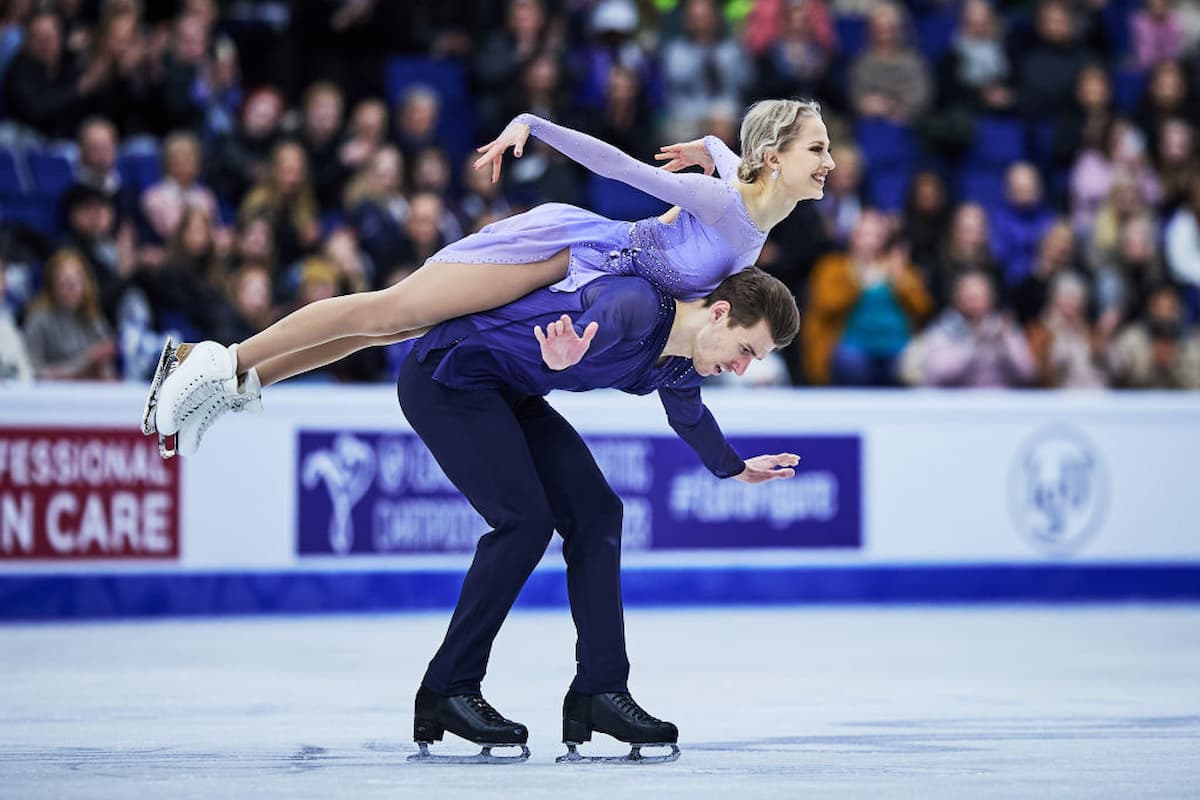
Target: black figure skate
618,715
472,718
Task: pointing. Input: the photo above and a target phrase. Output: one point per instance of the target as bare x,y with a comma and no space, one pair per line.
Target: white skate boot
233,395
190,383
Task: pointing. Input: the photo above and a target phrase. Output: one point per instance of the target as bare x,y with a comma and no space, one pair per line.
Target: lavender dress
711,238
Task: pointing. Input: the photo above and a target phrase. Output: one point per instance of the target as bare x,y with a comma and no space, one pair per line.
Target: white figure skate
233,395
182,383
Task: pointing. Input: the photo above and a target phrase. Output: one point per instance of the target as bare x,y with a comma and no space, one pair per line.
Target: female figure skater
716,227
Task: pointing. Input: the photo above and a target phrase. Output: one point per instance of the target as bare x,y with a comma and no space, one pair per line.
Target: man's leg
587,512
476,439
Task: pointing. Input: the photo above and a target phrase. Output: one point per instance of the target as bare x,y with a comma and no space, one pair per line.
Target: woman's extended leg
280,368
436,292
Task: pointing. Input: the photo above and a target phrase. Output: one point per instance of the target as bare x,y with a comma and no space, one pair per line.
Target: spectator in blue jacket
1019,224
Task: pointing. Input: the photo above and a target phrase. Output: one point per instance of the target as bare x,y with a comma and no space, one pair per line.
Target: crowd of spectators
1016,201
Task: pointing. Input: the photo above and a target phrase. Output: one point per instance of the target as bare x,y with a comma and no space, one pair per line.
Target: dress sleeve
694,423
707,198
726,160
624,309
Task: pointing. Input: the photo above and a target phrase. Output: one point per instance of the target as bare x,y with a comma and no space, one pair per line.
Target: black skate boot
472,718
618,715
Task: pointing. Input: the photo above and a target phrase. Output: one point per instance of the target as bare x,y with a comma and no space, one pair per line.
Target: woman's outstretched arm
726,160
705,197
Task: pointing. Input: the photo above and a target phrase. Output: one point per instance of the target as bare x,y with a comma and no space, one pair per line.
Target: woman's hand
513,136
685,154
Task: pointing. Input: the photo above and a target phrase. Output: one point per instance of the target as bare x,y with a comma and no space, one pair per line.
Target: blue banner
369,492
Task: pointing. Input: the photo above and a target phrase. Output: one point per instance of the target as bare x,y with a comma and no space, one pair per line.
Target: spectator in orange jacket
863,307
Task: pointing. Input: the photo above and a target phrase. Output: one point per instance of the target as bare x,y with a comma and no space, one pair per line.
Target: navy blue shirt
497,348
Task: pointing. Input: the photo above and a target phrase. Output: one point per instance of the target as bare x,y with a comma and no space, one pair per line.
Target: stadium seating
456,128
616,200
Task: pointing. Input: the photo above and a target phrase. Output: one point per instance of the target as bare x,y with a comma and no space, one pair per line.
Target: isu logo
1058,490
347,469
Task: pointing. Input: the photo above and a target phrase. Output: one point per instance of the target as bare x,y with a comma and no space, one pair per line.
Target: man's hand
561,347
684,155
767,468
513,136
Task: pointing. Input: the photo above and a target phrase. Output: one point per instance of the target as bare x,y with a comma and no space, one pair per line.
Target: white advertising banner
331,478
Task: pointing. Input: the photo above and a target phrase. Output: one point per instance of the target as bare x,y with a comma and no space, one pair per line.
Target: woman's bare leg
434,293
280,368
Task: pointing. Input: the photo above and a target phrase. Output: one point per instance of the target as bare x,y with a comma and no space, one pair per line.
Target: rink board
328,502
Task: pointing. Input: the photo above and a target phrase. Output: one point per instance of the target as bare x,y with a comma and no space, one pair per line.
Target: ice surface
880,703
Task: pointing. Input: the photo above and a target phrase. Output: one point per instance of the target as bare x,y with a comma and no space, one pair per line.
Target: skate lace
239,402
627,705
484,708
210,416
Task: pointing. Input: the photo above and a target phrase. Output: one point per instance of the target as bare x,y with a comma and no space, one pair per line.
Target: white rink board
941,471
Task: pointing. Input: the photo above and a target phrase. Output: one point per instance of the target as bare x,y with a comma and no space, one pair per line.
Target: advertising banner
86,493
370,492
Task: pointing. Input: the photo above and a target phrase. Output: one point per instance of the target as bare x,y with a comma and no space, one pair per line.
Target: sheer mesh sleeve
705,197
694,423
624,309
726,160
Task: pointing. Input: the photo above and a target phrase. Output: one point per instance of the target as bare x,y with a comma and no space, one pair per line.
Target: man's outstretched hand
561,346
766,468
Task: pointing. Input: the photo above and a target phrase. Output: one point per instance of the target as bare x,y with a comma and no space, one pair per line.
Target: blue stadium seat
1128,85
36,214
1043,137
331,221
890,154
12,184
851,34
617,200
456,126
996,143
935,33
887,189
982,186
52,173
1115,16
139,169
885,144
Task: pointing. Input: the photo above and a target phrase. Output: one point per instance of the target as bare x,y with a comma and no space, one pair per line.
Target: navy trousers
528,473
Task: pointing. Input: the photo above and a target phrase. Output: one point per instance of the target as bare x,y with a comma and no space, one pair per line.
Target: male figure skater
473,389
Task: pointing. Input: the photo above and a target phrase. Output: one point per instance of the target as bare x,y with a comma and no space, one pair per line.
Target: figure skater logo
1058,490
347,470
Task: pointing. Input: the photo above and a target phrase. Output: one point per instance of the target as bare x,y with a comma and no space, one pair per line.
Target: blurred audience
971,344
164,203
133,134
1158,351
702,66
65,331
1020,223
863,307
1069,352
15,366
891,79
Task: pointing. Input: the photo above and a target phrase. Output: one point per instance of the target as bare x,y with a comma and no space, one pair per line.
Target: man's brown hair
754,295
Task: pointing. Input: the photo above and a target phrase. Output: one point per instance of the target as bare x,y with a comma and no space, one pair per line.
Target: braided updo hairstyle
771,125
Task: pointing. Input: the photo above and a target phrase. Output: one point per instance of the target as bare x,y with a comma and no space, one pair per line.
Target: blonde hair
771,125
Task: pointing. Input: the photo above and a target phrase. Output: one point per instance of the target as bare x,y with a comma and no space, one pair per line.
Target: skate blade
166,363
483,757
634,756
